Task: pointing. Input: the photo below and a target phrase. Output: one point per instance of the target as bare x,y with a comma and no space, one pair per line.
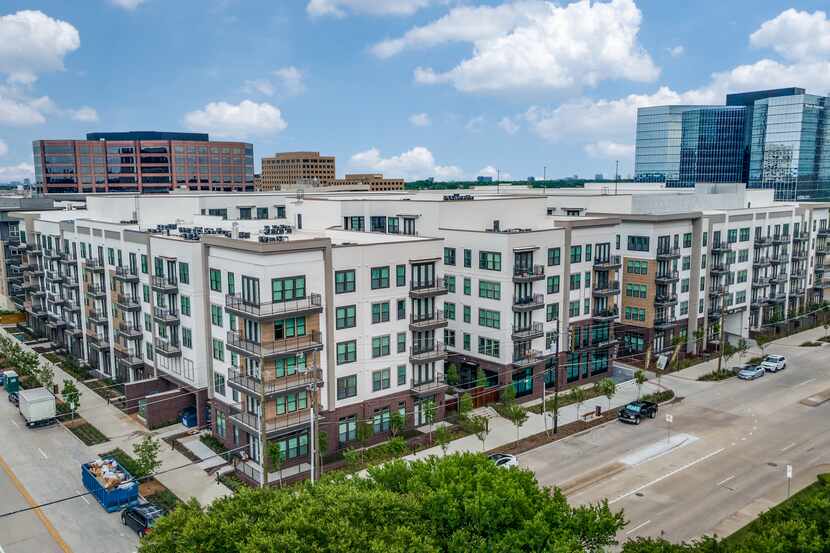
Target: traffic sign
789,471
662,361
669,419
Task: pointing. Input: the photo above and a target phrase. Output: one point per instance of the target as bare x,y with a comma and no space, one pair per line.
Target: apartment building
286,169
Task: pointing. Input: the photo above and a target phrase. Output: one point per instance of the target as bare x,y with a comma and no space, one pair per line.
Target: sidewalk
186,482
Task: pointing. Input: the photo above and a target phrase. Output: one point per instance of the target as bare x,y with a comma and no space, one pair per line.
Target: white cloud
237,120
127,4
17,172
796,35
606,149
259,86
417,163
490,171
84,114
475,124
508,125
340,8
420,120
31,42
676,51
291,80
534,45
17,112
4,149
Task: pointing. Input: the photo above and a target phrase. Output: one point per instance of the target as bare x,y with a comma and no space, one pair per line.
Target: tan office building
285,169
375,181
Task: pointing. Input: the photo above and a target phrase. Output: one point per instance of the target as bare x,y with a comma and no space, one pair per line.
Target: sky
449,89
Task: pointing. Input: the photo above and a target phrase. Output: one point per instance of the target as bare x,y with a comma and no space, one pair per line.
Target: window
576,280
215,280
289,328
380,312
380,346
588,252
347,426
401,342
684,308
450,283
635,314
488,346
287,289
346,317
291,402
449,338
732,235
740,297
143,261
262,213
467,314
184,273
489,318
148,322
344,282
551,312
554,255
146,293
687,240
745,234
687,262
466,342
636,267
573,308
468,287
401,375
293,447
702,283
380,380
700,306
553,284
449,256
110,254
231,284
576,254
380,277
219,384
742,276
287,366
187,337
743,255
346,352
638,243
216,315
381,420
218,350
490,261
586,306
185,303
489,290
449,310
684,285
468,258
636,290
705,237
401,310
400,275
587,279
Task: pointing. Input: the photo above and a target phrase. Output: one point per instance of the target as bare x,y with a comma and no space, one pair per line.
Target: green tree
452,374
518,416
508,395
147,456
25,362
396,423
352,458
365,431
275,459
322,446
443,437
608,388
71,396
481,378
428,408
465,406
480,426
45,375
640,378
578,396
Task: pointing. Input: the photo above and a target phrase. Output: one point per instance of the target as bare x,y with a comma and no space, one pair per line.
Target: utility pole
545,174
616,176
556,384
722,316
313,431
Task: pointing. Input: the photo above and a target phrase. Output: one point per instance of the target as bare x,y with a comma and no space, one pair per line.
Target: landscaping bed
107,389
717,375
233,482
85,431
68,365
149,488
809,344
564,400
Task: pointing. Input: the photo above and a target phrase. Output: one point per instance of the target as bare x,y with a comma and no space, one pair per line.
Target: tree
421,506
481,378
518,416
365,431
275,457
480,426
640,378
508,395
71,396
465,406
452,374
322,446
45,374
147,456
352,458
728,351
577,395
25,362
608,388
443,437
699,333
743,347
396,423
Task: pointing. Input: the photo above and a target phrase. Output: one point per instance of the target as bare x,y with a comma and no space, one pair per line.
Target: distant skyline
450,89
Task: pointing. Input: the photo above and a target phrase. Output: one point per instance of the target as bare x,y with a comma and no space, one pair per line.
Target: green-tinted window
576,254
185,301
450,283
346,352
380,277
400,275
467,314
468,258
449,310
346,316
218,350
287,289
184,273
490,261
466,338
553,284
449,256
231,284
380,312
554,256
552,311
489,318
468,288
344,282
489,290
380,346
143,261
216,315
187,338
146,293
215,280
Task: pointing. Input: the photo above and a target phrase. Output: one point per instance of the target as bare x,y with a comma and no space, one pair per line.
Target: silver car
504,460
751,372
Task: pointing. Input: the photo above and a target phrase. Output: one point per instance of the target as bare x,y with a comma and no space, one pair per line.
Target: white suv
774,363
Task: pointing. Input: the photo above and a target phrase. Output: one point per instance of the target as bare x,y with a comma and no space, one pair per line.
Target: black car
636,410
141,518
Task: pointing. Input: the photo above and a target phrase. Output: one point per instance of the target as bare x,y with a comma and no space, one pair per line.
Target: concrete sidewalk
123,431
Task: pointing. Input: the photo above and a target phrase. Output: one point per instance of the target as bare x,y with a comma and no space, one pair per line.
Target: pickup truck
636,410
37,406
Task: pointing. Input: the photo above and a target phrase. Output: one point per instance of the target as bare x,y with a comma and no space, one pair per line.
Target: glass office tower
712,145
657,151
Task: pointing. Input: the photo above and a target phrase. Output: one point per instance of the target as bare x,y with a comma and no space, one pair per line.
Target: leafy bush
716,375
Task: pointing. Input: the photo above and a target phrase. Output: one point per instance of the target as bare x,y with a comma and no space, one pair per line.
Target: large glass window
287,289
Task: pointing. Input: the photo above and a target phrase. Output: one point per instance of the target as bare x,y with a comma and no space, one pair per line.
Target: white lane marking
2,550
725,480
805,382
667,475
637,527
42,453
15,424
792,445
83,497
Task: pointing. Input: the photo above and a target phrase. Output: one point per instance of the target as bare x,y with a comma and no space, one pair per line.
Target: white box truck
37,406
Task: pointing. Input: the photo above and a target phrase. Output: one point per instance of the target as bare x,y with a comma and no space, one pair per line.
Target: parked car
141,518
750,372
774,363
636,410
504,460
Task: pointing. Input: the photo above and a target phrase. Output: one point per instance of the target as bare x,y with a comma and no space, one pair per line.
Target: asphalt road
46,462
722,462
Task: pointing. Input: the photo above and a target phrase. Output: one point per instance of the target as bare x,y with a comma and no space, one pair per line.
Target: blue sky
412,88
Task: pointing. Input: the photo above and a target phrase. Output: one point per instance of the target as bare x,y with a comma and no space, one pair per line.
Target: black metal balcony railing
761,241
531,301
608,262
604,314
282,347
94,264
534,272
96,290
165,314
668,253
761,281
164,283
824,231
167,348
799,255
609,288
427,386
781,238
528,332
665,299
526,357
281,423
662,323
720,246
69,281
667,276
269,383
130,330
425,351
716,290
428,288
127,302
126,273
719,268
421,321
780,258
97,317
761,261
801,236
257,309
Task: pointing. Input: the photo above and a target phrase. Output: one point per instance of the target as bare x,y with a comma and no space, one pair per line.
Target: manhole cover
773,464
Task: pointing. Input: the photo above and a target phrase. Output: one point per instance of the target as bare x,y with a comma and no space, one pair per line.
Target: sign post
789,479
669,420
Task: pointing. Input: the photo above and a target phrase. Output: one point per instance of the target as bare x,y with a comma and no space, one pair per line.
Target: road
722,462
45,464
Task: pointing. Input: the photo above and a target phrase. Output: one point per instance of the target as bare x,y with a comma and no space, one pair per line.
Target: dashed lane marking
637,527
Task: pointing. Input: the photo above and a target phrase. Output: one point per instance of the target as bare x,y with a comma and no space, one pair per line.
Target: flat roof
148,135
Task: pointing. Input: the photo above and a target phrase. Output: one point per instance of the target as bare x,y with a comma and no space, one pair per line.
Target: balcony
166,348
163,284
69,281
426,289
98,340
781,239
528,303
285,347
824,231
719,268
13,260
126,274
604,342
760,282
665,323
68,259
668,253
313,303
52,254
667,277
798,273
779,278
127,302
73,329
720,247
427,387
777,298
780,258
608,263
802,236
253,424
34,248
35,269
759,262
130,331
165,315
528,274
797,292
97,317
759,301
96,291
71,306
94,265
268,383
715,313
528,332
527,358
822,283
128,361
799,255
55,299
822,249
716,290
55,321
423,352
426,321
665,300
601,315
762,241
610,288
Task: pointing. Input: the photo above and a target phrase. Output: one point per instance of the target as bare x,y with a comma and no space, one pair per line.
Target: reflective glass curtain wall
712,145
657,152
